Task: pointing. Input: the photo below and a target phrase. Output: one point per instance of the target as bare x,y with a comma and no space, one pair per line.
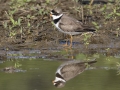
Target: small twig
91,2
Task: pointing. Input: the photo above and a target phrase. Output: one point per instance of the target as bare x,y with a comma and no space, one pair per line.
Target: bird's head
59,84
56,13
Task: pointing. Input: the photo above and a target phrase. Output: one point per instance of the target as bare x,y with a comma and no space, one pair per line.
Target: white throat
58,79
56,17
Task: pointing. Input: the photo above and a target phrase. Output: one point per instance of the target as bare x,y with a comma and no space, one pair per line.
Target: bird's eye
56,84
54,12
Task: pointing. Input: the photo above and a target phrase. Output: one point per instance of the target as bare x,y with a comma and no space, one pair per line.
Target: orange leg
71,39
66,45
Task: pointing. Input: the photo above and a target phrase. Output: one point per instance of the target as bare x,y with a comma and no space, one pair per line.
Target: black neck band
59,76
56,20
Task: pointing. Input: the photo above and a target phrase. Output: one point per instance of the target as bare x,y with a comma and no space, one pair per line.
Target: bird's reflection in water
69,70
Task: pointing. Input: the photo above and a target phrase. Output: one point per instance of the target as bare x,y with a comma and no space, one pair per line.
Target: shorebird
68,25
69,70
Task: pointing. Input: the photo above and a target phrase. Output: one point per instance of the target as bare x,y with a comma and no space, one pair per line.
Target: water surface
37,74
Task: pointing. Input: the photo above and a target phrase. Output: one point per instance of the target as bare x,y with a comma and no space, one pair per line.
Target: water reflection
37,74
69,70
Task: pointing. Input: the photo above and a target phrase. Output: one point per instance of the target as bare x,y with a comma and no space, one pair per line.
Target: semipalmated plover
67,24
69,70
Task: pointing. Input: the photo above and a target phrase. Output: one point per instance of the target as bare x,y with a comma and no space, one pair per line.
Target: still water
38,74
